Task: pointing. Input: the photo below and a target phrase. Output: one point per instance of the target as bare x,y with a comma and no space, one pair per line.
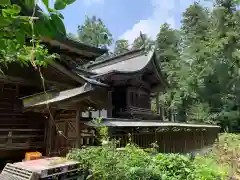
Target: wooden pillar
78,115
109,104
157,102
51,131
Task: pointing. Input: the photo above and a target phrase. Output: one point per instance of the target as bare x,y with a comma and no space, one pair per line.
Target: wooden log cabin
119,89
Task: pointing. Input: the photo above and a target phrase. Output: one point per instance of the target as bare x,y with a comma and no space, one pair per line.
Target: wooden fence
170,141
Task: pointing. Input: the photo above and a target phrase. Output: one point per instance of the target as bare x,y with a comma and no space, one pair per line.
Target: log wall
19,132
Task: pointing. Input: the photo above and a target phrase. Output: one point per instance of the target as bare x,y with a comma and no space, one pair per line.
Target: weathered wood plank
22,130
21,136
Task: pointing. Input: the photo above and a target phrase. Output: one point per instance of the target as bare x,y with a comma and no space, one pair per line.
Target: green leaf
59,25
2,43
54,11
59,4
46,3
20,37
4,21
5,2
69,1
29,3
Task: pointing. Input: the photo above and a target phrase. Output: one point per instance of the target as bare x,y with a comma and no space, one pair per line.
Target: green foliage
199,112
225,153
201,63
102,131
61,4
93,32
108,163
142,41
121,46
16,30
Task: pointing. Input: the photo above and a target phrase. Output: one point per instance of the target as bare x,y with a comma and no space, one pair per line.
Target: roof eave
75,47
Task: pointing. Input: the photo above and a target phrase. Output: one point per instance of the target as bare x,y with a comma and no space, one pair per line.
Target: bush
107,163
226,153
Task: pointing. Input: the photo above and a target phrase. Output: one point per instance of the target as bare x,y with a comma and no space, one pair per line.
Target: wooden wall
19,132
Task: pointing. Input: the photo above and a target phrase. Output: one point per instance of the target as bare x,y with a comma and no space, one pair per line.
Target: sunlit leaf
59,4
69,1
59,25
54,11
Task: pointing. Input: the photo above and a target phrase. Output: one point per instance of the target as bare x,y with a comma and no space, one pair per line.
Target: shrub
175,166
226,153
107,163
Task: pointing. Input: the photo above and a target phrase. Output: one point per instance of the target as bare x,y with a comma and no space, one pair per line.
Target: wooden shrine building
22,131
119,89
122,87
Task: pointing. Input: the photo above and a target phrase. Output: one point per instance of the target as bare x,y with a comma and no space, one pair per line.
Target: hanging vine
21,35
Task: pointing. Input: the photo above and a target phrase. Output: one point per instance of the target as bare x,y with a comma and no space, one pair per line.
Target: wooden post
109,104
78,114
50,133
157,102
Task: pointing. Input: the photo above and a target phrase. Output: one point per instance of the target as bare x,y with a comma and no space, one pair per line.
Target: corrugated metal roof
130,123
125,65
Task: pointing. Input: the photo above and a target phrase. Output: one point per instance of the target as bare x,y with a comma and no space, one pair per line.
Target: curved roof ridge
125,65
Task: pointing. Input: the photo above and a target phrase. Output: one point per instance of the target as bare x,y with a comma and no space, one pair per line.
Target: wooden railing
133,110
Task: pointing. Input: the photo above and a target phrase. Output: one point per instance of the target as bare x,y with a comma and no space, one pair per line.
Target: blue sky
126,18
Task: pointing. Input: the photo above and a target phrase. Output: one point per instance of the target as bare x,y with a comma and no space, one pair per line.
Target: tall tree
189,54
121,46
142,41
94,32
207,78
167,50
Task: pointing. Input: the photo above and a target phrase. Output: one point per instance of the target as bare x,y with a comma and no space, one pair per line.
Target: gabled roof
126,63
130,62
112,63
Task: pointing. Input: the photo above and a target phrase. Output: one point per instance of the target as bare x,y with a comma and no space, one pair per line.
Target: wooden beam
17,80
67,72
61,85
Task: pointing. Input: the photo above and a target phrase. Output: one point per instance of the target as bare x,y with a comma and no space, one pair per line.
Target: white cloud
163,11
90,2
